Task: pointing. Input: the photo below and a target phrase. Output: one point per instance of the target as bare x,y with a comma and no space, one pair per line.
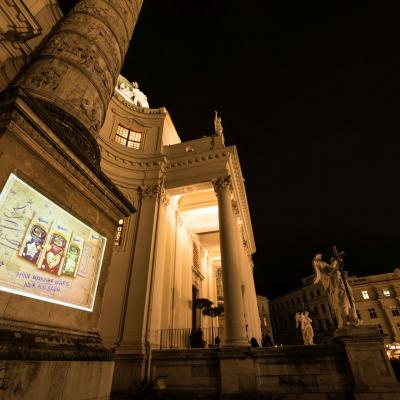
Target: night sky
309,92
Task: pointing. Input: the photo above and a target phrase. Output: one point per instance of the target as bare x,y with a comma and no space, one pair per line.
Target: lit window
265,321
372,313
365,294
386,292
395,311
128,138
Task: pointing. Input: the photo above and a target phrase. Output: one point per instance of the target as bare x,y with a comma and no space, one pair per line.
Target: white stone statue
125,90
218,129
339,291
138,97
307,331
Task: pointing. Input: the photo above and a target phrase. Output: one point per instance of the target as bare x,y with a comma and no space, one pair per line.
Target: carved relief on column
75,73
220,289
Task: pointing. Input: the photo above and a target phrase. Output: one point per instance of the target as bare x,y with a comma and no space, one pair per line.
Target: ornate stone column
74,74
235,331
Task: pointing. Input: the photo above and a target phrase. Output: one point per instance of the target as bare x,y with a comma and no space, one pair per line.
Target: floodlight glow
45,252
198,212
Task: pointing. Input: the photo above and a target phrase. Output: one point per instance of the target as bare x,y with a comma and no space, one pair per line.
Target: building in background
265,316
377,300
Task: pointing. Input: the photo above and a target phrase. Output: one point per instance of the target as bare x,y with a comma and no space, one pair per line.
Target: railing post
161,332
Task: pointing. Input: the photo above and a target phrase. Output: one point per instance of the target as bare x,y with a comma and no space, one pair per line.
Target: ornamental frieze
110,18
127,14
48,76
86,50
88,106
71,46
98,33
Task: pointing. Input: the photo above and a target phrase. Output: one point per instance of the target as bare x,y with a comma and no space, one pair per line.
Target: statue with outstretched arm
340,296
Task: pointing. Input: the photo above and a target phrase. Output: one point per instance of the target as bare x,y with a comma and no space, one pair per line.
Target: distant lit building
265,318
377,300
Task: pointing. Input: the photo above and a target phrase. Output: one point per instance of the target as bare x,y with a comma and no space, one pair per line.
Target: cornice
241,197
152,111
137,163
190,159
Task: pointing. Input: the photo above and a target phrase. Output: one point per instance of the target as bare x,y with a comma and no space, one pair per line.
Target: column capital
149,191
222,182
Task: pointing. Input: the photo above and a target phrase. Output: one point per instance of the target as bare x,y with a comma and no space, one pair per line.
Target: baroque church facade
113,232
191,214
191,207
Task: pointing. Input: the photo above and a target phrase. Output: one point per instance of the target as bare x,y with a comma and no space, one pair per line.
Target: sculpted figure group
339,292
137,96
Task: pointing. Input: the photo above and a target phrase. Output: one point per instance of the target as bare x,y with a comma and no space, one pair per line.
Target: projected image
45,252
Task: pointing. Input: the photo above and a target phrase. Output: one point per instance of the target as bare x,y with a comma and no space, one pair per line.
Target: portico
191,238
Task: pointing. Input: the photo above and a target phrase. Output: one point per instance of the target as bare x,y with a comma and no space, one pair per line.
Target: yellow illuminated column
235,331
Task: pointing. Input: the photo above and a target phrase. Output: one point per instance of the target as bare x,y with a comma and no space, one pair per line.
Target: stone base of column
129,373
52,364
239,342
372,372
48,350
238,373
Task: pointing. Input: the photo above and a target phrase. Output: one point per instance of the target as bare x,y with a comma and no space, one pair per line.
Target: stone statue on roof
132,92
218,129
139,98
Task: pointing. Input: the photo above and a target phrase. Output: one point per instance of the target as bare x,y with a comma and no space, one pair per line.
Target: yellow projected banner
45,252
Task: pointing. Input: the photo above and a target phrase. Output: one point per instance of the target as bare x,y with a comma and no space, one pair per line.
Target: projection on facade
45,252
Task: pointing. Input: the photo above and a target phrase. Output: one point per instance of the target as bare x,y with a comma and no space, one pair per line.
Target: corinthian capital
222,183
149,191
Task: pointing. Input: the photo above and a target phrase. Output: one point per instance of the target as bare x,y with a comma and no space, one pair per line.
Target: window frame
130,138
365,294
